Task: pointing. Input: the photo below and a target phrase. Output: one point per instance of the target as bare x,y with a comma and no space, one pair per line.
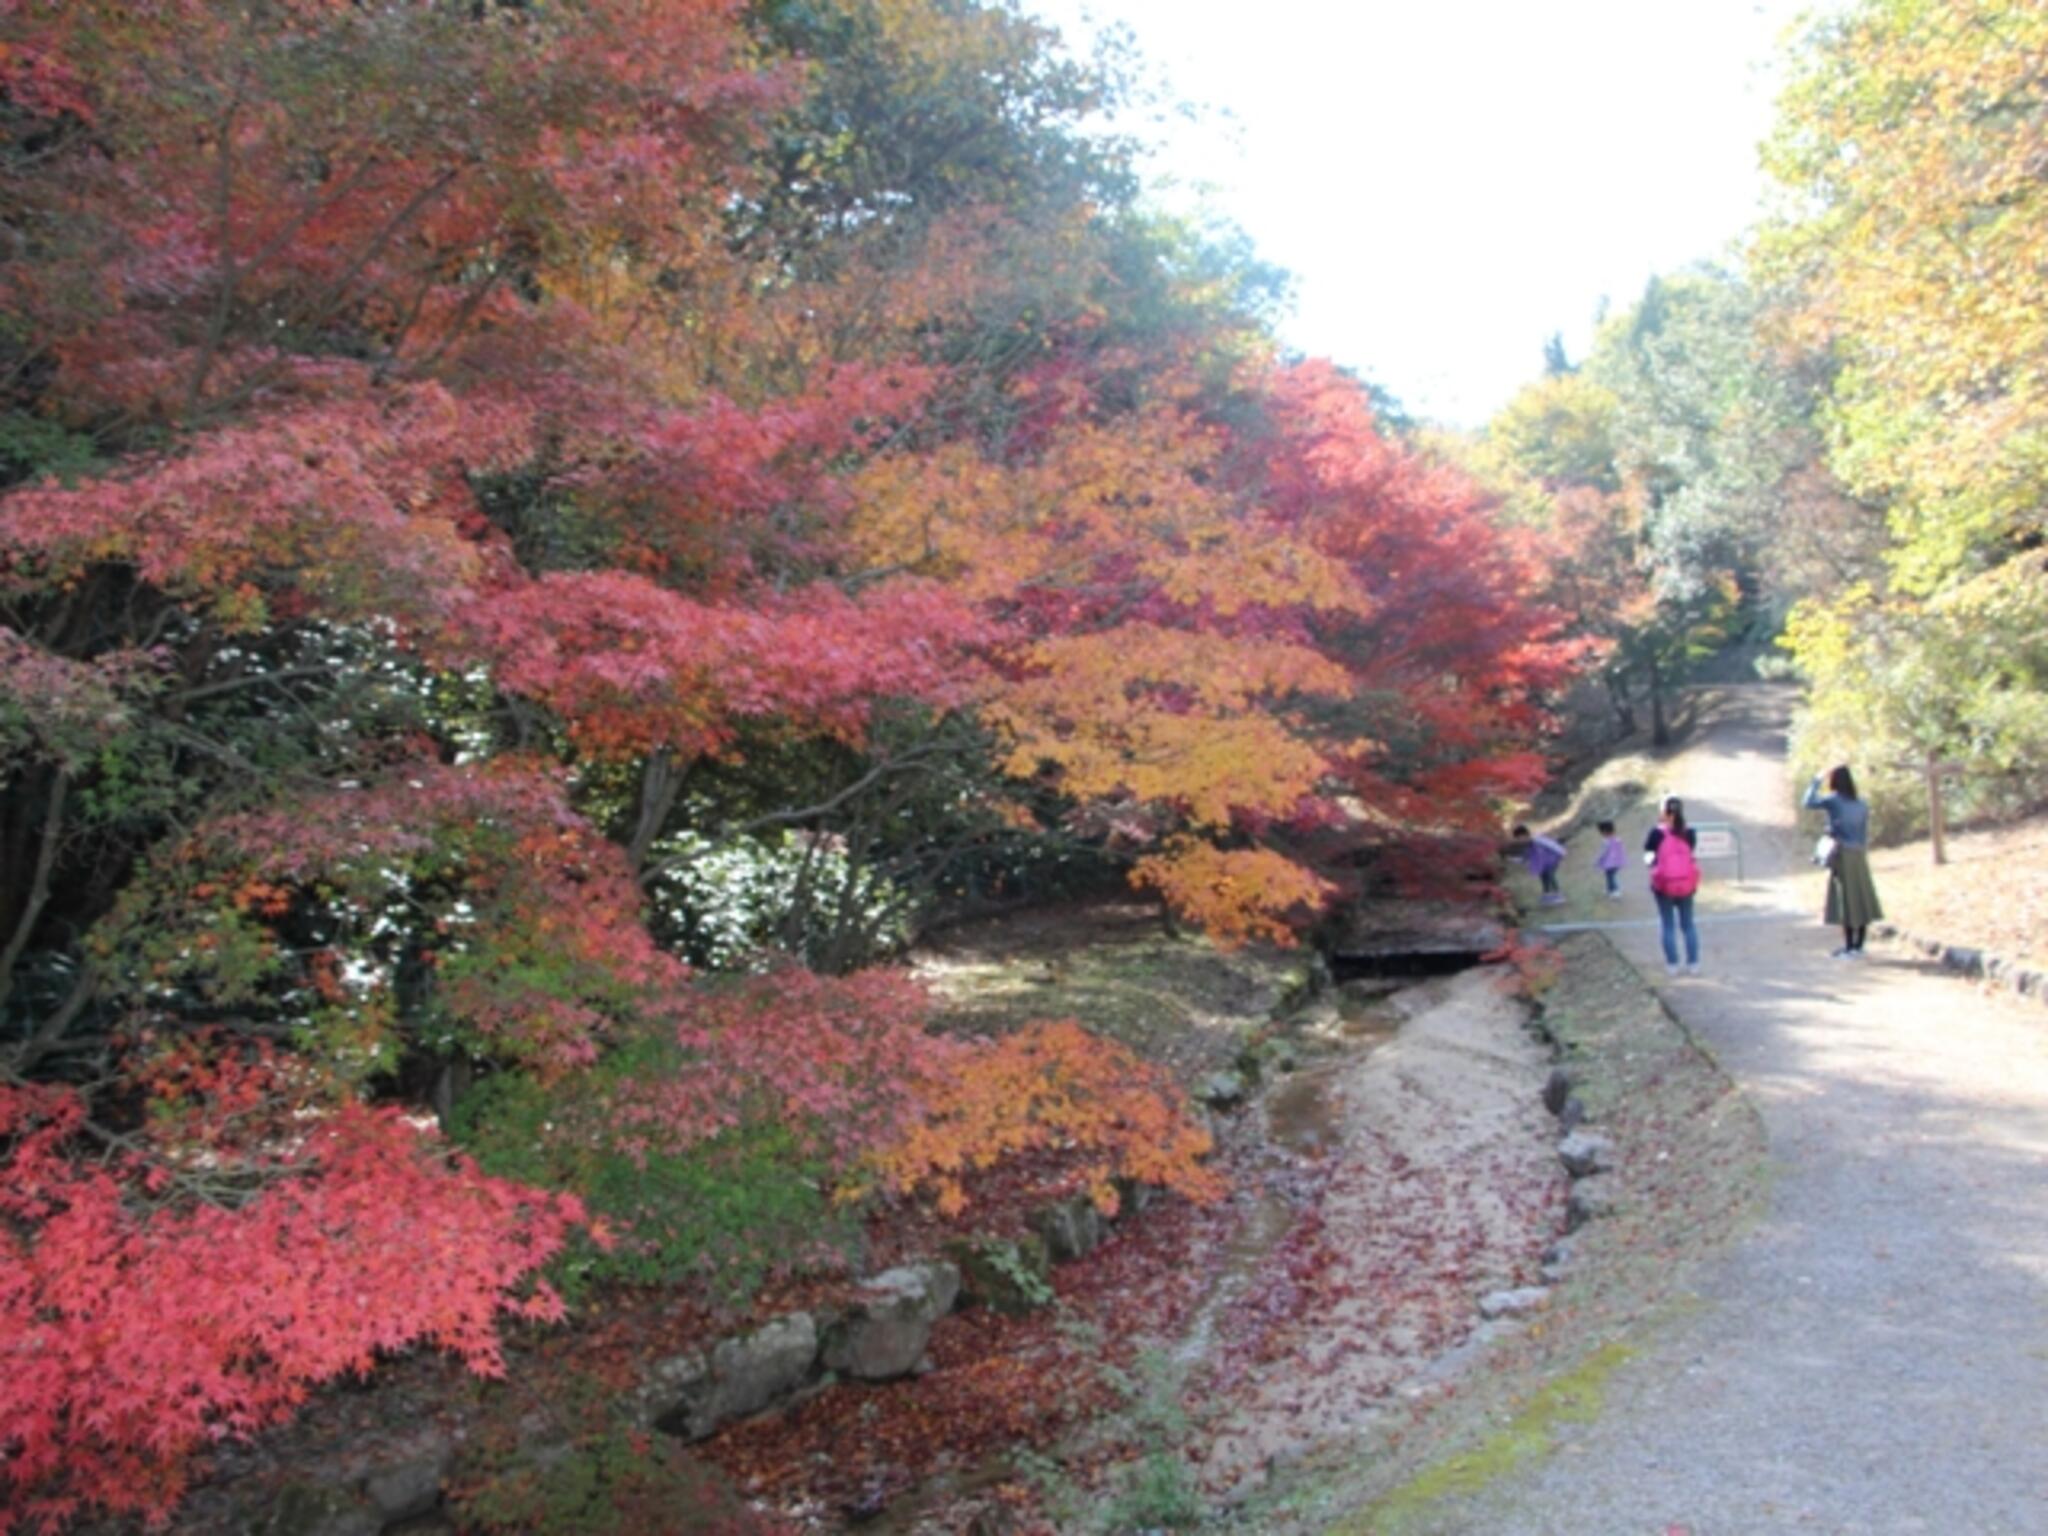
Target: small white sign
1716,843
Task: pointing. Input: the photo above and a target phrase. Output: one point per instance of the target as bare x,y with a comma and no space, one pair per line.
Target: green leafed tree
1907,246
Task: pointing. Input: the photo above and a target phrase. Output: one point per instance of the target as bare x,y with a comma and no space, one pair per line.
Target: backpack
1676,872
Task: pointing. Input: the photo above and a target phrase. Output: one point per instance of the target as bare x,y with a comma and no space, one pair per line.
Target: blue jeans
1613,880
1675,913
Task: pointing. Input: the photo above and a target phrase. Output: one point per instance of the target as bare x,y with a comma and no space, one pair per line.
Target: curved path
1873,1358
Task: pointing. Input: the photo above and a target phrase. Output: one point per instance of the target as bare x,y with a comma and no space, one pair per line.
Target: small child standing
1543,855
1611,859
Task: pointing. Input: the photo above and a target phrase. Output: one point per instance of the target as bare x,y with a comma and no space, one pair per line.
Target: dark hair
1606,827
1675,809
1843,782
1521,829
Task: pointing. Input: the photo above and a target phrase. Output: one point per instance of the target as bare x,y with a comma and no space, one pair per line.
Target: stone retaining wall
879,1332
1976,964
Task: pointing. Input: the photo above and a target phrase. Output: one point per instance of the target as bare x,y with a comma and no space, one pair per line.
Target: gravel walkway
1874,1357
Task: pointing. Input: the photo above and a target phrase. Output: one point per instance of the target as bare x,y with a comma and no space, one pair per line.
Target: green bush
721,904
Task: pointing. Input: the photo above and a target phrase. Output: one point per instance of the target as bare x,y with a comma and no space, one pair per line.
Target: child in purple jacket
1543,855
1611,859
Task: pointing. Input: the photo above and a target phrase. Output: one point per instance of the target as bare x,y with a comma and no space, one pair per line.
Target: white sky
1450,181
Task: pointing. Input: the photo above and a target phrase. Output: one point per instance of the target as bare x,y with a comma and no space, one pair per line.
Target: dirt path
1874,1357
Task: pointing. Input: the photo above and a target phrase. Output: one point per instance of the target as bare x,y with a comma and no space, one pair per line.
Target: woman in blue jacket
1852,895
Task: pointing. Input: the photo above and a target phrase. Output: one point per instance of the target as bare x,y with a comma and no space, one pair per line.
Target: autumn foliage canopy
466,467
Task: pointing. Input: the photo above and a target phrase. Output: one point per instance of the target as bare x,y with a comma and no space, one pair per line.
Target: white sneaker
1844,953
1693,969
1670,967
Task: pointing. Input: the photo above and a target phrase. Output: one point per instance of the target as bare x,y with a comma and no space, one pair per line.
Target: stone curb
1971,964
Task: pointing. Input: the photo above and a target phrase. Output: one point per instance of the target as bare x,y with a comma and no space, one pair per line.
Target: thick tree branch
39,883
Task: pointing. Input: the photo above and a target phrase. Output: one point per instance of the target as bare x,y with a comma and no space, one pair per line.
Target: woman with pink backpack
1674,881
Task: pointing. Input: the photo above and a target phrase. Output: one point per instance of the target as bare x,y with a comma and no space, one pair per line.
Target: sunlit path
1874,1358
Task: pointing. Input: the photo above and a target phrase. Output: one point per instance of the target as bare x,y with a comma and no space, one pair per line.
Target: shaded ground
1176,1000
993,1384
1873,1358
1398,1166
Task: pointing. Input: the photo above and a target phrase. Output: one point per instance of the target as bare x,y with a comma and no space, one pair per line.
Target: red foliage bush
139,1324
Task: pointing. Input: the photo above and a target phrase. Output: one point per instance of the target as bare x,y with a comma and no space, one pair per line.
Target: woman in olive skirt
1852,895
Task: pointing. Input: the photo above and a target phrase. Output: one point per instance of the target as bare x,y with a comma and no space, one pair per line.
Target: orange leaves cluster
1235,894
1168,714
1051,1088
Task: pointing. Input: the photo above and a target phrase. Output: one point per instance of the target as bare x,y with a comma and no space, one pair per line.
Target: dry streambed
1394,1169
1419,1168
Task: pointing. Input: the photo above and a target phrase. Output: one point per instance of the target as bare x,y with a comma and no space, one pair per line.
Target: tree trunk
24,912
1937,826
1169,921
1660,728
1623,706
454,1080
661,781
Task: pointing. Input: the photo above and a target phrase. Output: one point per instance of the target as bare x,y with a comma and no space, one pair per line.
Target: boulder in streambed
1557,1089
883,1332
1070,1228
1585,1153
693,1396
407,1484
1592,1199
1555,1259
1519,1302
313,1509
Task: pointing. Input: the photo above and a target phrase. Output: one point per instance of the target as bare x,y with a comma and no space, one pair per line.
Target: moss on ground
1574,1398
